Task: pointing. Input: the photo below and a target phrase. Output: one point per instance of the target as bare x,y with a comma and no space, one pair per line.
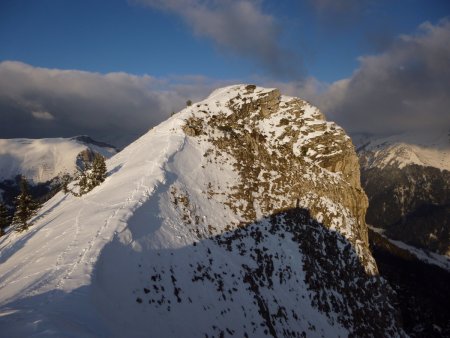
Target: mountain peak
263,134
240,215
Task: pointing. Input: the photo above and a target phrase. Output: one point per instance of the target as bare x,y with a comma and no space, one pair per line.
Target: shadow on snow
282,276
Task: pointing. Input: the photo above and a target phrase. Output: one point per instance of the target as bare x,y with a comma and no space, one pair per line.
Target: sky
113,69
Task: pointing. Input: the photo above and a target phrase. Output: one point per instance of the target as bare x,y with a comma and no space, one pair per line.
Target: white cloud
237,26
405,88
42,115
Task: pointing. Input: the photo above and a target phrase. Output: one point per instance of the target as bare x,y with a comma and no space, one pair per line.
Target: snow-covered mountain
242,215
407,180
427,149
41,160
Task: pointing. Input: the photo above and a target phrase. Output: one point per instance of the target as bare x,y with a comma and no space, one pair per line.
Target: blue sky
116,35
66,67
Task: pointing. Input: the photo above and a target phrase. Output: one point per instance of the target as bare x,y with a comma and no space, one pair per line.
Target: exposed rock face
286,155
295,175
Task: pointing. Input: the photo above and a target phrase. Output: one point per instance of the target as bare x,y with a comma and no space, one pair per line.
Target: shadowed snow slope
241,215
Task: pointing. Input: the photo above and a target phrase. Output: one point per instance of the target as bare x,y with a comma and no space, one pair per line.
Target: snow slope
40,160
158,250
430,148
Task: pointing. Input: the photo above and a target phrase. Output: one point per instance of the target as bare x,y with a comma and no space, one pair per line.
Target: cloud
404,88
115,107
338,14
42,115
236,26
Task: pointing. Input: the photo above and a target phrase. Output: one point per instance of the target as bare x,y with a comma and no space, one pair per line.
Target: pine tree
25,206
4,218
98,173
92,175
65,180
83,183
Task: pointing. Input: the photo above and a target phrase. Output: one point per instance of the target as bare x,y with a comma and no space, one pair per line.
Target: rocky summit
242,215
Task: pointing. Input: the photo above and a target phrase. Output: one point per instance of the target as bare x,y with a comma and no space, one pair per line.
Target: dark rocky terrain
411,203
422,290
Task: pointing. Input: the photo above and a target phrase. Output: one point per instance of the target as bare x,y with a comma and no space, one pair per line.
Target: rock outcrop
286,155
299,175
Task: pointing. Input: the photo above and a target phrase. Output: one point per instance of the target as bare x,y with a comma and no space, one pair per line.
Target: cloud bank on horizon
116,107
405,87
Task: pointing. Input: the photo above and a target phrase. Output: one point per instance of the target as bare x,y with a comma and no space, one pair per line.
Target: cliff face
286,155
293,174
242,215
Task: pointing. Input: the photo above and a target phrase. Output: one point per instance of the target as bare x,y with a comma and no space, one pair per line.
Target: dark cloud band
115,107
405,88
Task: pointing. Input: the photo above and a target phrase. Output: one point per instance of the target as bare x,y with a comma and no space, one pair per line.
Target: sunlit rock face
284,154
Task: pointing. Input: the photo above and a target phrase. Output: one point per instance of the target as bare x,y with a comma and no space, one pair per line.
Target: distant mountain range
407,180
41,160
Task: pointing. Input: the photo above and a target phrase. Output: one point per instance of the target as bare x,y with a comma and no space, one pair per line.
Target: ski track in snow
60,260
65,267
33,229
142,190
